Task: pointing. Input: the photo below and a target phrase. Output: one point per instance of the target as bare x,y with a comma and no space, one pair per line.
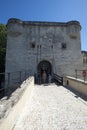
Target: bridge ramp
52,107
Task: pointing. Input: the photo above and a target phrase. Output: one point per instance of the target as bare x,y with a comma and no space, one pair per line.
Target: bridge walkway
52,107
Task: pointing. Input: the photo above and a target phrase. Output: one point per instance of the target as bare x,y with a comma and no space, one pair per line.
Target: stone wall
11,108
76,84
29,43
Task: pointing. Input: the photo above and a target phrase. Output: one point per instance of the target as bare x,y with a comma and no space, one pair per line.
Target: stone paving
53,108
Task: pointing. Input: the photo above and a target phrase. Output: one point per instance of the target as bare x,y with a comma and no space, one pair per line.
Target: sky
47,10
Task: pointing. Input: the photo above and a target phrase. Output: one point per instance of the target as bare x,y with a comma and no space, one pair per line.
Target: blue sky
47,10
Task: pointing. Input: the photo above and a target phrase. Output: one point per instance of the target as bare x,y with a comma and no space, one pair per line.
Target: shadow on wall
77,94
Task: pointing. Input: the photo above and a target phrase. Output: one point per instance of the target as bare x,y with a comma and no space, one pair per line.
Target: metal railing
81,74
11,80
50,79
58,79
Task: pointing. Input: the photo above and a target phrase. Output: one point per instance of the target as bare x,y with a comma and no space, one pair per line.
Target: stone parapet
43,23
76,84
9,121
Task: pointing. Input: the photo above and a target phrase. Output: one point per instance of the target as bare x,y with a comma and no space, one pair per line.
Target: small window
63,46
51,46
32,45
39,46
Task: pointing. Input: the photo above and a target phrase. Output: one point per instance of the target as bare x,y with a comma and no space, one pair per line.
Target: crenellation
41,23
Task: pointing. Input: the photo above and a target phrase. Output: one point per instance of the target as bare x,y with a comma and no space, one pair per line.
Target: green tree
3,40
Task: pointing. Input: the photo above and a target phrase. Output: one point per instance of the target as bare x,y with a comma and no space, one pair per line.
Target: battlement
43,23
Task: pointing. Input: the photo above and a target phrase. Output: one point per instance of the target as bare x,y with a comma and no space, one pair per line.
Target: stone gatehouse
50,47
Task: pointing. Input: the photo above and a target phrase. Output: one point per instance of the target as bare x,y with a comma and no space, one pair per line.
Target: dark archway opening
44,72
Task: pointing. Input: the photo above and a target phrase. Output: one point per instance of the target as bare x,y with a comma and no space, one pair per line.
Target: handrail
12,80
58,79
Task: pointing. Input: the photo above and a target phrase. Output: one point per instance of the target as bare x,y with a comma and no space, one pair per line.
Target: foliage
3,39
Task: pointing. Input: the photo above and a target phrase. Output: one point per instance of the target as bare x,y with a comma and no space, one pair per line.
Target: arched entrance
44,70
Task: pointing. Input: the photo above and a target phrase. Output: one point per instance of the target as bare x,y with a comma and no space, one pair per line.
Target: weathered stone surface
29,43
53,108
6,103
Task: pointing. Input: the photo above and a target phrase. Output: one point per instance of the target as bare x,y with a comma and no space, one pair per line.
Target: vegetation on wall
3,38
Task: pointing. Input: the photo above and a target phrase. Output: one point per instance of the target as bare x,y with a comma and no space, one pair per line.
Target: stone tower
37,46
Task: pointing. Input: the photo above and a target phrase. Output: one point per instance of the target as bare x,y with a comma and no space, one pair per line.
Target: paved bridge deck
53,108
